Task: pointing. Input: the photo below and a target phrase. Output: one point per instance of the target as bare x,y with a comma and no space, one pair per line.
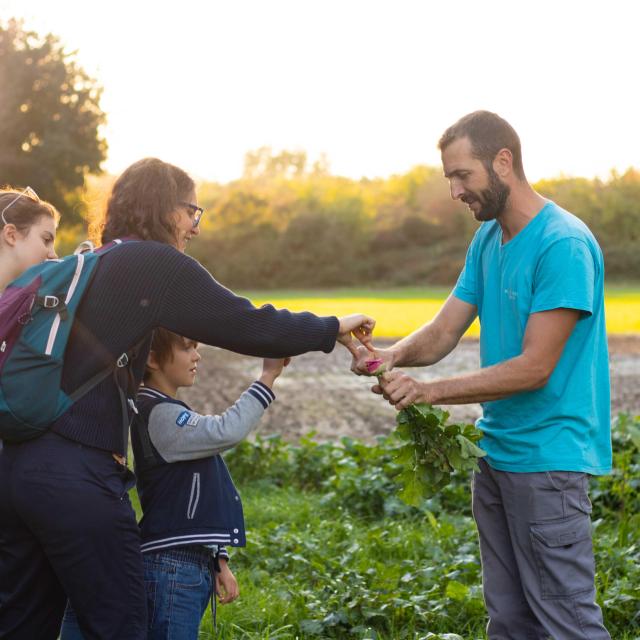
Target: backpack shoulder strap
112,244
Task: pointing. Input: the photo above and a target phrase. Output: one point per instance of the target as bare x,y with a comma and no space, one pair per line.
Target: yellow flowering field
401,311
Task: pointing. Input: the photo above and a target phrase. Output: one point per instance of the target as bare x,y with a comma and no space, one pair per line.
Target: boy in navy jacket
191,508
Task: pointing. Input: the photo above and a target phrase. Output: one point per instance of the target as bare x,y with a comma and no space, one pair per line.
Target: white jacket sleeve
180,434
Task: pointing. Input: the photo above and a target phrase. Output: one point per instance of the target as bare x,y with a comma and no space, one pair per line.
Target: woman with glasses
27,232
70,530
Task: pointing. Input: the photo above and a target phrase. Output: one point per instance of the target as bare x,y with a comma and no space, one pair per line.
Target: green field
400,311
332,553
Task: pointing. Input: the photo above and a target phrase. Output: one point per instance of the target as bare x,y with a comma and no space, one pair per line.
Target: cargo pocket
564,556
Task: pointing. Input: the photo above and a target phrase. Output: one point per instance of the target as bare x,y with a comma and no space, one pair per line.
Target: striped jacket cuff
222,553
262,393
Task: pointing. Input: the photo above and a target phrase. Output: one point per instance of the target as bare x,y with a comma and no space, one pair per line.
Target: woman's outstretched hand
356,326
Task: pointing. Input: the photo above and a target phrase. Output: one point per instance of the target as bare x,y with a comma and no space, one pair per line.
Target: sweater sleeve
179,434
197,306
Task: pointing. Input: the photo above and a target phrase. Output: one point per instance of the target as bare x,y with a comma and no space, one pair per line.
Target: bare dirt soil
318,393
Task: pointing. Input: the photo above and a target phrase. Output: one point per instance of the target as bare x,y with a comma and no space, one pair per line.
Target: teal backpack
37,311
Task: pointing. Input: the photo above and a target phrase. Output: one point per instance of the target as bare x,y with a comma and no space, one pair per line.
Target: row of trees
291,225
611,209
287,224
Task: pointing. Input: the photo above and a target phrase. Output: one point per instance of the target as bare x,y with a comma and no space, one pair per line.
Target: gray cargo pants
537,557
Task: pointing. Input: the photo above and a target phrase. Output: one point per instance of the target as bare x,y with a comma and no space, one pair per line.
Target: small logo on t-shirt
512,295
193,420
183,418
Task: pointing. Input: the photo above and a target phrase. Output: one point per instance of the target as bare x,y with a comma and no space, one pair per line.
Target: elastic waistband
194,554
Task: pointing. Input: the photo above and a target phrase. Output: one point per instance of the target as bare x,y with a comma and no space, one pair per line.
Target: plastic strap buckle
122,361
50,302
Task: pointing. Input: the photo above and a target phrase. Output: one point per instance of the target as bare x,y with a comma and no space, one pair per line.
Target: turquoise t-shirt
554,262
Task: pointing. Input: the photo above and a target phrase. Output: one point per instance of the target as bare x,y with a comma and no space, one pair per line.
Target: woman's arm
197,306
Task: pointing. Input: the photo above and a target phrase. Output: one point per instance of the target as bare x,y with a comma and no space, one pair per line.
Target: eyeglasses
196,212
29,192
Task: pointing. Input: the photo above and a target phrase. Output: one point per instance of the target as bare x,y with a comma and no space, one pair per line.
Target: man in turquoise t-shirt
534,275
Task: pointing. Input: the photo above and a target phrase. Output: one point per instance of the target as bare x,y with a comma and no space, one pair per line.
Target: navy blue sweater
143,285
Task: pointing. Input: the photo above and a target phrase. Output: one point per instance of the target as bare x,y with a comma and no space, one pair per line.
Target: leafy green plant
433,450
619,491
263,459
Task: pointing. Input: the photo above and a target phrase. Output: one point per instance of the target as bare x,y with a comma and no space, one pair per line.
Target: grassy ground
306,574
332,553
400,311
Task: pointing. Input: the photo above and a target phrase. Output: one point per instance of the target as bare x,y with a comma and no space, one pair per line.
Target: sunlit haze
372,84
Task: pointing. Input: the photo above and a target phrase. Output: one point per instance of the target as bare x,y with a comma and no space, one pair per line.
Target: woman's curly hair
143,200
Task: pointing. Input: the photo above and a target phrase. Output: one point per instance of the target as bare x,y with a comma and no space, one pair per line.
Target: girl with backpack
27,232
67,527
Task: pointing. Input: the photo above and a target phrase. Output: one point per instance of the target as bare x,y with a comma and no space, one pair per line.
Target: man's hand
363,355
226,584
358,326
402,390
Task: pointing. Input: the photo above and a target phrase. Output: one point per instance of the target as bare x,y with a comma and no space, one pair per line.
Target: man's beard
493,199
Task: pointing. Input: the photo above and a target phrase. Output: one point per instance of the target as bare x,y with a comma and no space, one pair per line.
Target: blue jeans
178,583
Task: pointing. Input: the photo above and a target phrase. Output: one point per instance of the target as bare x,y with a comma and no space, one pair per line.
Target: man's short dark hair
488,133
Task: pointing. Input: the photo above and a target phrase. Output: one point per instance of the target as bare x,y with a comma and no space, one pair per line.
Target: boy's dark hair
24,210
162,345
143,200
488,133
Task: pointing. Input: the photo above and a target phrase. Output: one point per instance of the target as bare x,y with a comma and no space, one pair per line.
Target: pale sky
370,83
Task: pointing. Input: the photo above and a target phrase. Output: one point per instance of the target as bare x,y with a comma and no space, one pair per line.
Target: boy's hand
226,584
271,369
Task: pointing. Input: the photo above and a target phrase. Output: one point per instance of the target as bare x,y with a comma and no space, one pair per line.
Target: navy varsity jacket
186,492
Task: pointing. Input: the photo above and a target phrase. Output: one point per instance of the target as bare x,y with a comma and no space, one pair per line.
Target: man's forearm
492,383
423,347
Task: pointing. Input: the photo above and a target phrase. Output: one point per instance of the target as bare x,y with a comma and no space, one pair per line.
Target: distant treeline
285,225
288,224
